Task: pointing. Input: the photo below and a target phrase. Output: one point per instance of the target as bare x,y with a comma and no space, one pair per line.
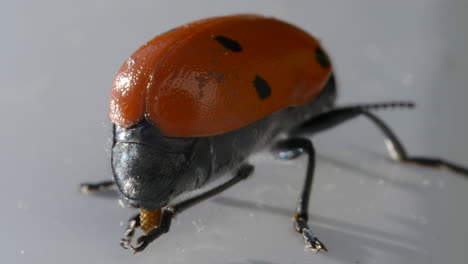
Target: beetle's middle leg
290,149
396,149
170,211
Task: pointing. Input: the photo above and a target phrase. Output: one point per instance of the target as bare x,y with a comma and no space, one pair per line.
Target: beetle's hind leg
290,149
395,148
170,211
398,152
97,187
437,163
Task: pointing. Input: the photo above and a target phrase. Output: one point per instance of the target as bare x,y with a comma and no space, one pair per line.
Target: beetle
195,102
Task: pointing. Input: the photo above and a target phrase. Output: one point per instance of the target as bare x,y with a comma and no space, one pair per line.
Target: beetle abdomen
232,148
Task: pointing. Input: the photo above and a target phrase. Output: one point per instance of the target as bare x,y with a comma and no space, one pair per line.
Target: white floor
58,61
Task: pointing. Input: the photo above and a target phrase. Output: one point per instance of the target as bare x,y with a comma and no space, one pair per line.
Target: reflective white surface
58,61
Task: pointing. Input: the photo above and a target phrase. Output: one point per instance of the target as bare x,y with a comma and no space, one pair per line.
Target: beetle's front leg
153,234
167,213
133,224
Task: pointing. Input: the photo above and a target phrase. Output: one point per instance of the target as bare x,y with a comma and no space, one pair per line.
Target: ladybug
195,102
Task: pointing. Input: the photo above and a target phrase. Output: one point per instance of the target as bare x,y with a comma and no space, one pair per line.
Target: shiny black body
151,169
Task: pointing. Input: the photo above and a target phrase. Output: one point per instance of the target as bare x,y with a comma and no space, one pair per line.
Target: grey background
58,61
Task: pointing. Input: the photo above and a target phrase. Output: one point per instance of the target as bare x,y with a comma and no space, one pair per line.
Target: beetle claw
142,243
141,240
125,243
313,243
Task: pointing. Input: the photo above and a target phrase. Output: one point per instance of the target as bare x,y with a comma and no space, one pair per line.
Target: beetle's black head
148,167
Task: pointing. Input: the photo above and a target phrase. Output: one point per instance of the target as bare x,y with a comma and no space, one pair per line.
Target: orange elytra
218,74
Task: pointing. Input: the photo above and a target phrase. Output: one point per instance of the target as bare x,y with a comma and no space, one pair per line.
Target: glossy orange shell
186,83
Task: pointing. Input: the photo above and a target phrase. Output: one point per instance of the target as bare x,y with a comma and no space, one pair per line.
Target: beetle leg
290,149
97,187
398,153
395,148
242,173
167,213
133,224
437,163
165,224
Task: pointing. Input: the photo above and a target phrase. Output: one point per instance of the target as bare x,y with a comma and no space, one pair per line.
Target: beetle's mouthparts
150,219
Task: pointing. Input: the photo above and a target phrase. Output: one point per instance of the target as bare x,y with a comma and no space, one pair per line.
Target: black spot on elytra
262,87
229,44
322,57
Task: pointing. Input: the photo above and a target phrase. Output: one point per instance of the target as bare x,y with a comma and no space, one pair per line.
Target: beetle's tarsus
313,243
436,163
125,243
141,239
133,224
96,187
140,246
87,188
142,243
